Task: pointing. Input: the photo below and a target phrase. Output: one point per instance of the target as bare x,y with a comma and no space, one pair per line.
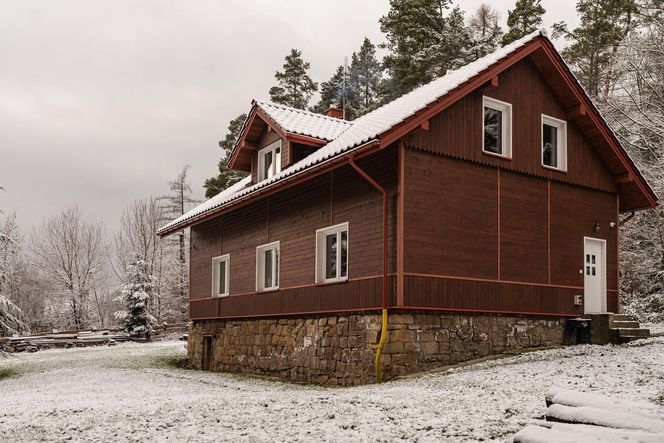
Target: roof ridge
303,111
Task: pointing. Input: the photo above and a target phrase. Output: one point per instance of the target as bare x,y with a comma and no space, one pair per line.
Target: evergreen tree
485,33
226,177
526,17
361,88
135,295
295,87
364,79
595,42
423,43
331,92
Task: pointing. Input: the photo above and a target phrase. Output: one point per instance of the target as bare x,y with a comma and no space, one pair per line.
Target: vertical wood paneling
457,131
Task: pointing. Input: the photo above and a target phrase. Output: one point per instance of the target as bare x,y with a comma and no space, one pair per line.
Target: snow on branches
135,294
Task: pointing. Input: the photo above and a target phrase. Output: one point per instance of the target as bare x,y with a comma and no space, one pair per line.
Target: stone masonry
340,349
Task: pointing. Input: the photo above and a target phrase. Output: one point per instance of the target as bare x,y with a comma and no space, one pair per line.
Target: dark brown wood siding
481,238
457,131
450,217
292,217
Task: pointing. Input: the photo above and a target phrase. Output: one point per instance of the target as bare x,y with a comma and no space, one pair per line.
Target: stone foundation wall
340,349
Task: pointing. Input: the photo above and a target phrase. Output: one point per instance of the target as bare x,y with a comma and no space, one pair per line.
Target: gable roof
386,124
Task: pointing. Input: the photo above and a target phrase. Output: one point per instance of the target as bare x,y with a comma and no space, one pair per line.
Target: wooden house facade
493,193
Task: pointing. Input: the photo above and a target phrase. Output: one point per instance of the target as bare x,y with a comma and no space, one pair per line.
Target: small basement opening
207,353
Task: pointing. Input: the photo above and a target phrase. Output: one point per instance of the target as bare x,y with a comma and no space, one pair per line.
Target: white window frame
260,266
506,109
276,159
226,259
321,256
561,149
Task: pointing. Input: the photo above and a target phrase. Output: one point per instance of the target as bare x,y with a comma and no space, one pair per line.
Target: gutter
385,316
305,174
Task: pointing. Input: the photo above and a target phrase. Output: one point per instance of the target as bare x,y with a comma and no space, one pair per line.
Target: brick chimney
335,112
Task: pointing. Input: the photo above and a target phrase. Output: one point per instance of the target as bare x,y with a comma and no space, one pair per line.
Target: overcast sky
102,102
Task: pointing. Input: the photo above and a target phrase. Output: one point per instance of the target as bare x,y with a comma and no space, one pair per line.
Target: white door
594,275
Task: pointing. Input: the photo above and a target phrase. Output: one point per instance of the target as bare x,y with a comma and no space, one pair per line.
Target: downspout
383,333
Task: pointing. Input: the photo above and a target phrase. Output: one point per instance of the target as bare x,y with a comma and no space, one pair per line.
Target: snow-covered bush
135,295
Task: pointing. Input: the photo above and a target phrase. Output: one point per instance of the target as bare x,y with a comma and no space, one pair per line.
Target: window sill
268,289
220,296
332,281
551,168
494,154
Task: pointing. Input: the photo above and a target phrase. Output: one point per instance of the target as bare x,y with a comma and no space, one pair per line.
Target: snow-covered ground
131,393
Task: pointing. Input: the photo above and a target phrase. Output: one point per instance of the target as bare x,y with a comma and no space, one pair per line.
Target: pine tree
526,17
595,42
226,177
331,92
295,87
485,33
135,295
423,43
364,79
176,204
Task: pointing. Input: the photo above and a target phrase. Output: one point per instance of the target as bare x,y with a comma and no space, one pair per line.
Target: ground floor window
220,275
332,253
267,267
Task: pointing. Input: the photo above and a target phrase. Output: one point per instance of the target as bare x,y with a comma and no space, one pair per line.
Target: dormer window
269,161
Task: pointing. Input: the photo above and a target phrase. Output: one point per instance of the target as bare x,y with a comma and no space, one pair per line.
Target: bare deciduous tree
70,251
174,205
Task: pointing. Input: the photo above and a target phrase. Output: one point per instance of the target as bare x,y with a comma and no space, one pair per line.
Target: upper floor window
269,161
220,275
332,253
554,143
497,124
267,267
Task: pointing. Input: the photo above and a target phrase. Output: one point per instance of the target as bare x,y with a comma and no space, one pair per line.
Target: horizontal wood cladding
353,295
205,244
292,217
574,211
453,294
523,228
506,233
450,217
458,131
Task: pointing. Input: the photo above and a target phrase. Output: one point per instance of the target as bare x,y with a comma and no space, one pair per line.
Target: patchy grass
7,372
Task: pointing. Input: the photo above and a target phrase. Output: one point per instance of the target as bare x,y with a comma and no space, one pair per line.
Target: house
471,216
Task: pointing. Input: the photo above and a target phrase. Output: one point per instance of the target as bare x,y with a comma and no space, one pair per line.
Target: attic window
554,143
497,124
269,161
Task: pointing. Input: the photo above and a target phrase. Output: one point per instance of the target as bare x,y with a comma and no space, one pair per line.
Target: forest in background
70,274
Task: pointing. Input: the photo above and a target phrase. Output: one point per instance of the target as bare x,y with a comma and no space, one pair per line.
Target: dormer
276,136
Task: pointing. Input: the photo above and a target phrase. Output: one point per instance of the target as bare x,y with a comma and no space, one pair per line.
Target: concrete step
624,324
625,335
623,317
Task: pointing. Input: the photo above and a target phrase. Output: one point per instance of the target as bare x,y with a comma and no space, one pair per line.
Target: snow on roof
303,122
362,130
